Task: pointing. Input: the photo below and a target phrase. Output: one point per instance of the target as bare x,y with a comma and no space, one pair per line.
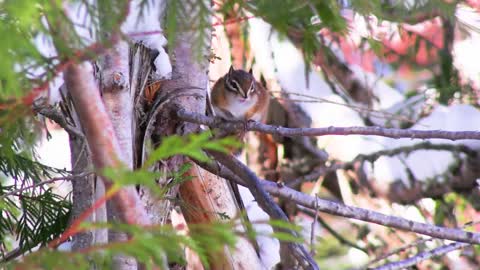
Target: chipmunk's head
240,83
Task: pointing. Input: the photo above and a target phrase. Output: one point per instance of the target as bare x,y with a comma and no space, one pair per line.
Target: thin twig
11,255
35,185
327,227
413,244
295,132
400,249
359,109
422,256
419,146
372,157
314,224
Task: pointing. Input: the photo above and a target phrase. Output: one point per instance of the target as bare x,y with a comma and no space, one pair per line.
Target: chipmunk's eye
232,85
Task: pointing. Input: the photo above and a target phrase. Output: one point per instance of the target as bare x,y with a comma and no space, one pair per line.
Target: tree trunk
211,194
205,197
118,100
123,79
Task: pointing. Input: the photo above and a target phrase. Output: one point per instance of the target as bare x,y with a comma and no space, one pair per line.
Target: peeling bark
118,100
205,197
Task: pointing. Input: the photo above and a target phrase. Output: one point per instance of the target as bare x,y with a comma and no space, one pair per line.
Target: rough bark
215,196
146,110
101,138
118,100
85,189
205,197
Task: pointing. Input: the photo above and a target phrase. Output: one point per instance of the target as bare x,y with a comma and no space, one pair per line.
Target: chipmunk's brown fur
237,95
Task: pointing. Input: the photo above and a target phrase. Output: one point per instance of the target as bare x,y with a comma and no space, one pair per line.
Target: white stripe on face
239,88
230,87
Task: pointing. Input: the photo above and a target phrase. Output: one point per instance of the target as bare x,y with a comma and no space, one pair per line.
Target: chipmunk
237,95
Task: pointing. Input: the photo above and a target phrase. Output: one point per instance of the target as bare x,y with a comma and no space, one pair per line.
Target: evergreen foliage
36,216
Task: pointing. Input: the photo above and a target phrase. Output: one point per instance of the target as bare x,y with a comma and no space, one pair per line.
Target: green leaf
191,146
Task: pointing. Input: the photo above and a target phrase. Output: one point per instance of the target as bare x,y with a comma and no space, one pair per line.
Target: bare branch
231,126
422,256
53,114
419,146
372,157
343,210
312,233
371,216
399,250
411,245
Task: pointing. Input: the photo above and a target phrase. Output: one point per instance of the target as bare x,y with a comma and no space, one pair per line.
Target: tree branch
372,157
231,126
413,244
371,216
411,148
53,114
343,210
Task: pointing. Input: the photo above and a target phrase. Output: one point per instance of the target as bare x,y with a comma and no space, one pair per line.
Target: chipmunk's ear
250,71
263,81
230,71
